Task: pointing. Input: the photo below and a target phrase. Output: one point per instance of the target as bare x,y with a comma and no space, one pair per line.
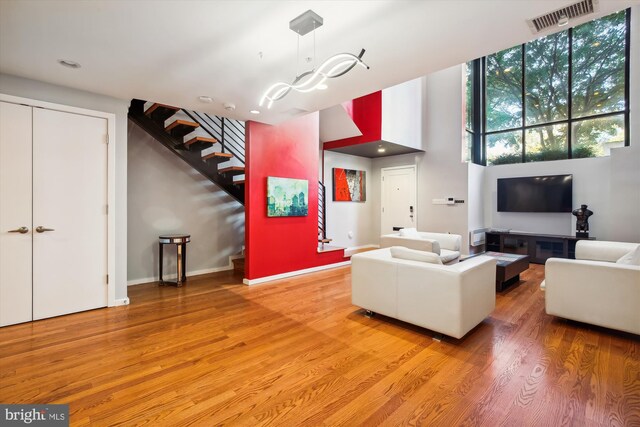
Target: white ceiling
174,51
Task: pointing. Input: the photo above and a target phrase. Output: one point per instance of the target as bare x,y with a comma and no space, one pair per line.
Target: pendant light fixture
335,66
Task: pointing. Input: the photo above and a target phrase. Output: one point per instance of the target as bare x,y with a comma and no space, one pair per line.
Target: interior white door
398,198
15,214
69,213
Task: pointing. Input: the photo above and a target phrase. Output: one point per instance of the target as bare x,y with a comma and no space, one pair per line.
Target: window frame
479,96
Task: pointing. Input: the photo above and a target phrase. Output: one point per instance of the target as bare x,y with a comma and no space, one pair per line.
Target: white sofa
445,245
449,299
593,288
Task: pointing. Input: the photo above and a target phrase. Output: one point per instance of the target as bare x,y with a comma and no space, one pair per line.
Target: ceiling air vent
576,10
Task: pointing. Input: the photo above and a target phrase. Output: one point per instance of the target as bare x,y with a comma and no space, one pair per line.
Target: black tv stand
539,247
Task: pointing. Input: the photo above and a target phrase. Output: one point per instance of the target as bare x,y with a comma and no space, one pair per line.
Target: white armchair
594,288
447,246
449,299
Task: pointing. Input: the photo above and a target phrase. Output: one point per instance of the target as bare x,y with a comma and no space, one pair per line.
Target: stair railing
193,158
231,141
322,212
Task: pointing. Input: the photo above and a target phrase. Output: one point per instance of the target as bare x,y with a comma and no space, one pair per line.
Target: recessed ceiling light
205,99
68,63
381,149
254,112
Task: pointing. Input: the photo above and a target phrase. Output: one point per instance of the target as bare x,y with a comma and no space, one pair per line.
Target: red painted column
283,244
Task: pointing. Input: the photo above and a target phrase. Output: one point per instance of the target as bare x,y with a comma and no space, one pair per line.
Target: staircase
212,145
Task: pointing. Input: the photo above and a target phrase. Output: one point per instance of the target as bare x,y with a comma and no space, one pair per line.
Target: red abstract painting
349,185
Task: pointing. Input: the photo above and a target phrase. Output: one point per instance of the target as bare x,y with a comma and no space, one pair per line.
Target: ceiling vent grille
576,10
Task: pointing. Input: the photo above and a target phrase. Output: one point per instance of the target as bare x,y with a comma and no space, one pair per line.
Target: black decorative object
582,215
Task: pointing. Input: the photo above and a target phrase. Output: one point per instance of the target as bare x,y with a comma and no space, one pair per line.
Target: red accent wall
366,113
283,244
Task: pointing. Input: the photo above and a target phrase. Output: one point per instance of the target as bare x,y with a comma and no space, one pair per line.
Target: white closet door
69,198
15,213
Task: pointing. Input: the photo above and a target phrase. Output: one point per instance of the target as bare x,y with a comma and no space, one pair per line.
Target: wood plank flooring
297,353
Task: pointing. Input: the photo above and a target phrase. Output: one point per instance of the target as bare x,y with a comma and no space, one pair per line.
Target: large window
562,96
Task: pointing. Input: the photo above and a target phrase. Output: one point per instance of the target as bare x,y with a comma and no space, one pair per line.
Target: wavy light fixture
335,66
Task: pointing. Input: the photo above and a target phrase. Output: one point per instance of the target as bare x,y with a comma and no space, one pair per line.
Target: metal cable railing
228,132
322,213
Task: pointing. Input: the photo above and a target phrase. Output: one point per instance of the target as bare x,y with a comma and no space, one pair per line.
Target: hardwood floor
296,352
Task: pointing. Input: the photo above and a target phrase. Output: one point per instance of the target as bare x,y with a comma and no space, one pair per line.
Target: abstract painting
287,197
349,185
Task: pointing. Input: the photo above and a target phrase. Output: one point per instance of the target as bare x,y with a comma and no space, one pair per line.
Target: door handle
41,229
21,230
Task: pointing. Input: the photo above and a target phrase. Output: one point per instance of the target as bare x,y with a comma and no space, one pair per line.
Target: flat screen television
552,193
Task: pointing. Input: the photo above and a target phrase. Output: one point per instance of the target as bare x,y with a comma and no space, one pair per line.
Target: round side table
180,240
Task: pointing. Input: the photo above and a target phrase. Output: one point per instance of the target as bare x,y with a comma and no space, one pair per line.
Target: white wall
591,182
441,173
335,123
402,112
349,217
610,186
624,193
475,197
18,86
166,195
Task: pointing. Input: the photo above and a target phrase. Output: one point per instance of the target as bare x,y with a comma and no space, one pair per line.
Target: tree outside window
561,96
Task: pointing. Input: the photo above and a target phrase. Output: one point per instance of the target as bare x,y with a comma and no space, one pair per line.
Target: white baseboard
349,251
173,276
294,273
121,301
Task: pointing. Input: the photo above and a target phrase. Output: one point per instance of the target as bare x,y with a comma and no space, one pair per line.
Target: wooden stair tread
160,112
236,170
328,248
239,182
223,156
155,106
325,240
200,139
181,123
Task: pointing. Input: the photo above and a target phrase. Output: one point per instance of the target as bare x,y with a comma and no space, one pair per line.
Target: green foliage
598,66
583,152
546,155
506,159
504,89
598,87
580,152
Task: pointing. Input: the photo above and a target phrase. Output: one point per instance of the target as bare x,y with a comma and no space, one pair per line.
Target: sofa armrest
373,282
448,299
472,263
452,242
427,245
596,292
598,250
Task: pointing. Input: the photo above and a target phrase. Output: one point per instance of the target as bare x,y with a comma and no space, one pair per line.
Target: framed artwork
287,197
349,185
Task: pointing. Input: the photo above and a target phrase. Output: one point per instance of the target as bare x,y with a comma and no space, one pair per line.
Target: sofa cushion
601,250
447,256
414,255
409,232
631,257
446,241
